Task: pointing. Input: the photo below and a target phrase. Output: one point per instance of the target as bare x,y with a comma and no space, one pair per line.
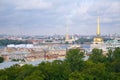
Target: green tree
24,71
110,55
74,58
12,72
113,58
76,76
95,71
97,56
116,54
55,70
114,76
36,75
116,66
1,59
4,77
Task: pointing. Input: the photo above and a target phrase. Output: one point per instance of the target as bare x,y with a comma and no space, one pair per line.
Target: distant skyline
47,17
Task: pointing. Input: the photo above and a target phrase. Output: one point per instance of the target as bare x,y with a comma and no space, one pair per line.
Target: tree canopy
5,42
97,67
1,59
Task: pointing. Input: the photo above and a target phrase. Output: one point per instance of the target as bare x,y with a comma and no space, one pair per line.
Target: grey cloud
51,16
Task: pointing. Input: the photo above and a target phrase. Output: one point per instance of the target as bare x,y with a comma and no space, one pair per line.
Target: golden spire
67,32
98,26
98,38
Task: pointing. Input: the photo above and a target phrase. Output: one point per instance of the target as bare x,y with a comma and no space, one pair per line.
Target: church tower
98,26
68,39
98,39
67,33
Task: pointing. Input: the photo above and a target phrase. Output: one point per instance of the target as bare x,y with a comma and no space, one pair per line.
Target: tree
36,75
97,67
116,54
76,76
97,56
74,58
55,70
110,55
1,59
4,77
12,72
95,71
116,66
113,57
24,71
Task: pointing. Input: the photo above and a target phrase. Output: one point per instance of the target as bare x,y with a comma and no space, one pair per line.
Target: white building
20,46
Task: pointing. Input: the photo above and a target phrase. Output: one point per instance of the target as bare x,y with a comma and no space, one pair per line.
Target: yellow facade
98,40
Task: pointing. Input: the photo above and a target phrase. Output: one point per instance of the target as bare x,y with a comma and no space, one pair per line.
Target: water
1,47
7,64
85,46
34,63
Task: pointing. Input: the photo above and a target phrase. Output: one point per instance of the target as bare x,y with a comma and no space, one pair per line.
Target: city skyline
44,17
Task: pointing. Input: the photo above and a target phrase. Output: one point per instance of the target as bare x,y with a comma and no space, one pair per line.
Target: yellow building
98,41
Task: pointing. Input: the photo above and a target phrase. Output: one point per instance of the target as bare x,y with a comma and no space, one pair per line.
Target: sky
48,17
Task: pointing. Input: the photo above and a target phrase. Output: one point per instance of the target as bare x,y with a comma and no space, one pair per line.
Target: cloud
50,16
32,4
